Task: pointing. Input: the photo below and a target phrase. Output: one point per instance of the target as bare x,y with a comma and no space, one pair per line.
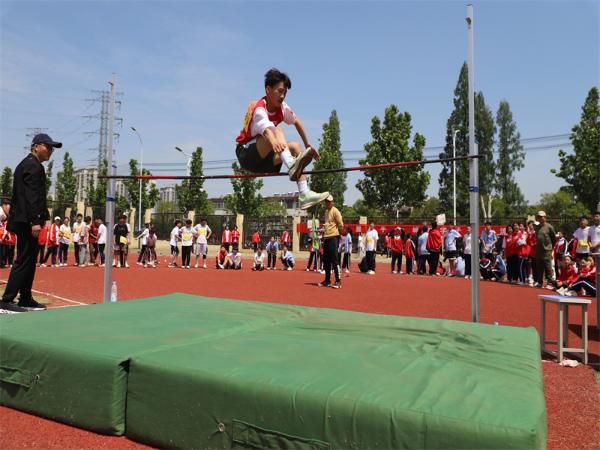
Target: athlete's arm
278,144
302,132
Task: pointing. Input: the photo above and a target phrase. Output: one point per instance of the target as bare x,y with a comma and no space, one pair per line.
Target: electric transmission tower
103,97
31,132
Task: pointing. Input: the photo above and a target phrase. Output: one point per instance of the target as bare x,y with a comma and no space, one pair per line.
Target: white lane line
75,302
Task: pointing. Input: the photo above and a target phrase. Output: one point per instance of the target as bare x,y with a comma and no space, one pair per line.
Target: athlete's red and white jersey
258,119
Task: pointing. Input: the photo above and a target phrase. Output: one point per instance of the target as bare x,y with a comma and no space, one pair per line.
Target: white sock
302,186
287,158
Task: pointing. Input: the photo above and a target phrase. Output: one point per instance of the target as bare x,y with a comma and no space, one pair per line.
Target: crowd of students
514,256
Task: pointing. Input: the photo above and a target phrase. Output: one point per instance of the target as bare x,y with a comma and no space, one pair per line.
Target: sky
186,71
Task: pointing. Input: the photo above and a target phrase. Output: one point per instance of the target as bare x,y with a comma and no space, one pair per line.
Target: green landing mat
194,372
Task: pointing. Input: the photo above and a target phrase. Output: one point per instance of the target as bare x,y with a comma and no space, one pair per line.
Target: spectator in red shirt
586,282
531,243
409,253
285,238
255,241
511,254
52,242
235,237
226,238
93,239
220,258
42,240
568,274
396,244
434,247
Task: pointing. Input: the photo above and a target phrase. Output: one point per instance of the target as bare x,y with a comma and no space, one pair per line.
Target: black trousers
409,265
52,250
76,245
142,253
63,253
186,251
271,257
330,258
22,273
421,264
314,256
467,264
433,259
397,261
371,260
41,250
101,248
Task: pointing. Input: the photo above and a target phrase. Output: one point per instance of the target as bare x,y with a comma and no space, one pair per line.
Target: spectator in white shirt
371,238
451,254
594,234
583,240
259,260
101,240
143,241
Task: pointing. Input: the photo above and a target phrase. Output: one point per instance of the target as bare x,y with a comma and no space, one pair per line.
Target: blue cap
45,139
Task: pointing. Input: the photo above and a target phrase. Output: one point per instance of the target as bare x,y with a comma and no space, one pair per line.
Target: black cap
45,139
5,201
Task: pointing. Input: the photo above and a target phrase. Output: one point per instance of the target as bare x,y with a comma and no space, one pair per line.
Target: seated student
150,251
485,267
259,260
233,261
498,267
221,256
567,274
287,259
586,282
460,267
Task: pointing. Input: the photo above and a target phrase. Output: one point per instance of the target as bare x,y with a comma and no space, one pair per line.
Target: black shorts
251,161
451,254
174,250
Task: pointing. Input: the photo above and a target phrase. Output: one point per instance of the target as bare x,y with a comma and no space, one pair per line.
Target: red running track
572,395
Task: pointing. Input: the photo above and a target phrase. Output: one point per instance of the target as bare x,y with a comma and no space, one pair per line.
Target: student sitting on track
233,261
287,259
259,260
567,274
586,282
221,256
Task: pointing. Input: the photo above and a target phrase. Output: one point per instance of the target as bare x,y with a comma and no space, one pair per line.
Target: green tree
191,195
96,191
49,176
511,158
271,208
150,192
362,208
484,136
561,203
391,189
245,198
331,158
6,182
429,209
581,170
66,184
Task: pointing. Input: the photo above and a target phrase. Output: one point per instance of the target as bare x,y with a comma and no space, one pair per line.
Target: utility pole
110,194
31,132
473,174
104,98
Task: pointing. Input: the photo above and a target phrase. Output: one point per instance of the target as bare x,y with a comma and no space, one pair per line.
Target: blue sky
187,71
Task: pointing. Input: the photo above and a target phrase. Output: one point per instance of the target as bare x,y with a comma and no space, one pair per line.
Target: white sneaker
289,268
371,272
550,287
308,270
393,271
102,265
571,294
42,265
204,266
268,268
140,264
346,271
196,266
119,266
126,265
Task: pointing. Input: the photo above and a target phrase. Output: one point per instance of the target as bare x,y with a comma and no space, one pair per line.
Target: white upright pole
110,196
473,176
454,173
140,226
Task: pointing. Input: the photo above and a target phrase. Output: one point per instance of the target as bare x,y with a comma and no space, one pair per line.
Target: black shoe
10,307
31,305
336,285
324,284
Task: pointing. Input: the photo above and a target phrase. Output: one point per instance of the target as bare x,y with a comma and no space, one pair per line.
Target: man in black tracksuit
27,216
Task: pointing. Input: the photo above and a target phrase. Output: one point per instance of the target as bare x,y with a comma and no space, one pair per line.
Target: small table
563,304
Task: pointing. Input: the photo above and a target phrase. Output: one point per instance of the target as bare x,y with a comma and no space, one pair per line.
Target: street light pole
454,172
189,160
141,173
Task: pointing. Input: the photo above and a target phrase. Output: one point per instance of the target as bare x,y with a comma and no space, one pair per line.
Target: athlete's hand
278,147
35,230
314,152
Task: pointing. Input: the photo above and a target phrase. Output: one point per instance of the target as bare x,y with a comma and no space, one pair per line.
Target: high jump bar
284,174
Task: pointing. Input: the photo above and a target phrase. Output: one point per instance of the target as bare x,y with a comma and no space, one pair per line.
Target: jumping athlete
262,147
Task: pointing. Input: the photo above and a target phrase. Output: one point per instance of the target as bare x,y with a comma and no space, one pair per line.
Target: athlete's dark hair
274,76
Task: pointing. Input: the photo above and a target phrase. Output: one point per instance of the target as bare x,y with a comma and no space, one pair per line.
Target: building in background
167,194
85,177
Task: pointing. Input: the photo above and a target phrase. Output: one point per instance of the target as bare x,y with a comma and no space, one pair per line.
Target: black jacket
29,194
